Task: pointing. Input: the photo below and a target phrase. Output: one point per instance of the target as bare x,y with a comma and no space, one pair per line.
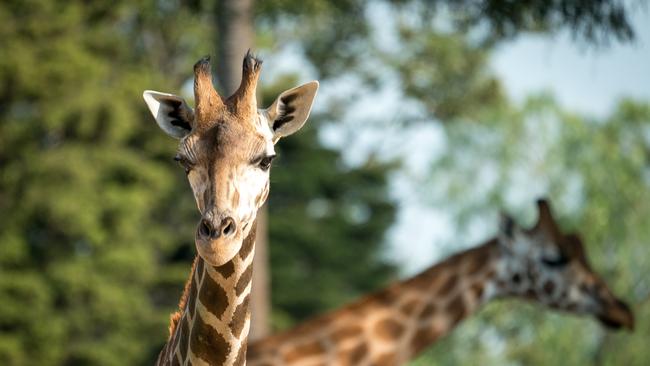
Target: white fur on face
253,185
253,182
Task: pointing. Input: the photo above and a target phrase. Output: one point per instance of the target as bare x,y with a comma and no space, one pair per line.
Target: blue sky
586,80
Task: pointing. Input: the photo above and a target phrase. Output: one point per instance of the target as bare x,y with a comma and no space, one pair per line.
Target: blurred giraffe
226,148
394,325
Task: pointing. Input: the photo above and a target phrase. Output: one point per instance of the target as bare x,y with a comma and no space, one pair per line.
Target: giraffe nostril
205,228
228,226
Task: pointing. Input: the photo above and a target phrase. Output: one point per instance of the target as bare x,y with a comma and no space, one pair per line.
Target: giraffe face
228,169
544,265
226,148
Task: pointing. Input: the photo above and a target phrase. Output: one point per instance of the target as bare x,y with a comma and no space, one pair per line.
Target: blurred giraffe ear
290,110
171,112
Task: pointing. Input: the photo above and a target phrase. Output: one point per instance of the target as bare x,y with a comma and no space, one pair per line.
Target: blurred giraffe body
394,325
226,148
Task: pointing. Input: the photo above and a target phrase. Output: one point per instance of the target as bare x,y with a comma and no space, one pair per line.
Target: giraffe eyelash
184,162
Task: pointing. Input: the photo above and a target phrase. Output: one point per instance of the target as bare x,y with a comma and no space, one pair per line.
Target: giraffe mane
176,316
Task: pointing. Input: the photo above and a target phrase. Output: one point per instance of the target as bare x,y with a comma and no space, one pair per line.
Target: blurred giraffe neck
391,326
211,326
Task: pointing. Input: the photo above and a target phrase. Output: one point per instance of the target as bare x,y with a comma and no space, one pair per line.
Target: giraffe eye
265,162
557,262
184,163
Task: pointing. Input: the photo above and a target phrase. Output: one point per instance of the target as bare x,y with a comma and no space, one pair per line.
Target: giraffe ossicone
394,325
226,148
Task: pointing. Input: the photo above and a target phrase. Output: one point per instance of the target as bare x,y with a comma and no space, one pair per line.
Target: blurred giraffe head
226,148
547,266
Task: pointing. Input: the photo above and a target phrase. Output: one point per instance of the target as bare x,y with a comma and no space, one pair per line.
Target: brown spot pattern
352,357
239,317
164,354
477,291
428,310
184,337
447,286
456,310
386,359
226,270
241,356
191,301
409,307
304,350
207,343
249,243
213,297
199,269
244,280
172,347
175,361
388,329
422,338
474,264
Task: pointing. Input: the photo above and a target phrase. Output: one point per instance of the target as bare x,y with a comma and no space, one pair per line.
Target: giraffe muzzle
225,228
616,315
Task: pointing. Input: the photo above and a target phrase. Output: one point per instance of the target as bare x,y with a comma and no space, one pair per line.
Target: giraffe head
547,266
226,148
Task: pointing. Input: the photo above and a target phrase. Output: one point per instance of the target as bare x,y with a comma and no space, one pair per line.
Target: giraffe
392,326
226,148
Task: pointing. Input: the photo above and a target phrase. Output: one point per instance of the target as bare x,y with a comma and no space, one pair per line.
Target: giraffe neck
211,326
393,325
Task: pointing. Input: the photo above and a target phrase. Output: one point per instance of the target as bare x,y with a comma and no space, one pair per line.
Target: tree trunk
236,34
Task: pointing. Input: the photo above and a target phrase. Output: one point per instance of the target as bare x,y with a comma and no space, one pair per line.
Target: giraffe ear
290,110
172,113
